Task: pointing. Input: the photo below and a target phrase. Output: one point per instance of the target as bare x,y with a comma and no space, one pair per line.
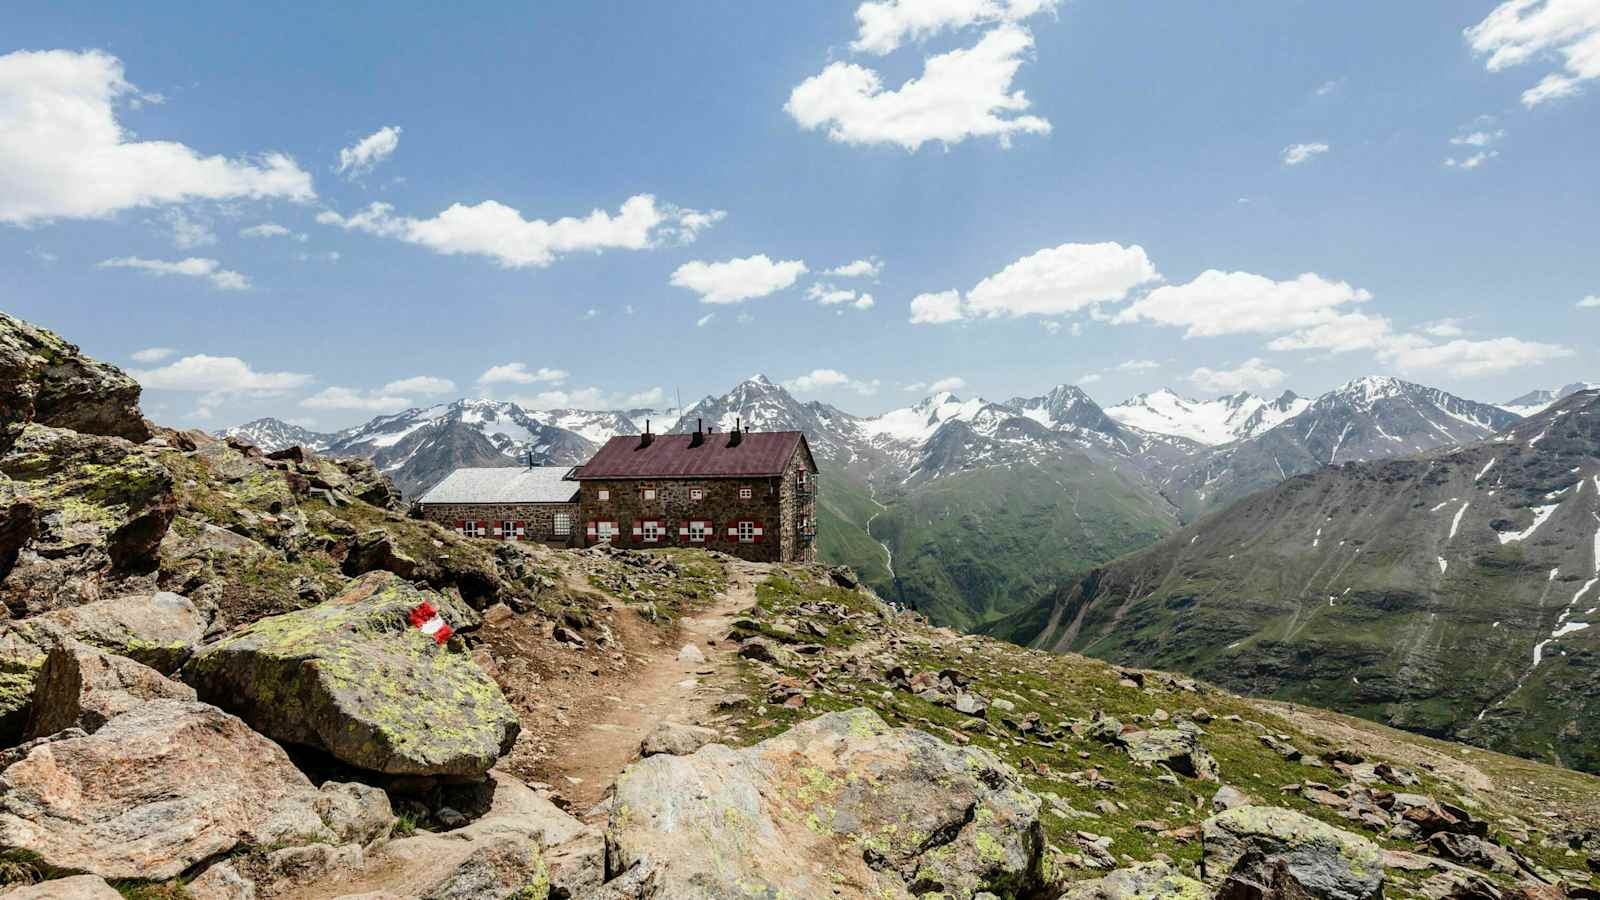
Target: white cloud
1473,161
419,384
704,320
1478,138
1329,87
591,398
1218,303
1341,334
1251,375
152,355
947,384
271,230
1295,154
1467,359
1138,365
365,155
193,267
1518,31
590,313
826,379
351,398
1090,378
828,295
1444,328
885,24
962,94
218,375
518,373
871,267
63,154
936,309
1052,282
864,301
1590,302
44,256
737,280
499,232
188,232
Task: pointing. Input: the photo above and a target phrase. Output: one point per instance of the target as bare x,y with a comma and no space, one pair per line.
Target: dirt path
668,684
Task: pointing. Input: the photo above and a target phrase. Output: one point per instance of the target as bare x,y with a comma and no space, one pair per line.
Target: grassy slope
843,508
976,546
1517,797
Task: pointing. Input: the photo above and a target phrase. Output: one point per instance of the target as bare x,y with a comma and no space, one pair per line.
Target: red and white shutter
461,526
638,530
522,530
592,530
758,532
683,531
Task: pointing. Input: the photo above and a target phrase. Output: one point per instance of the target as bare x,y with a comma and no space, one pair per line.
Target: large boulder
158,789
1255,852
159,630
17,525
101,507
357,678
81,687
44,379
840,804
1146,881
75,887
1178,750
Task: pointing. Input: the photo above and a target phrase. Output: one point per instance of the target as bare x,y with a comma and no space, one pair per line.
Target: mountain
1538,401
1371,418
1454,592
1229,418
272,435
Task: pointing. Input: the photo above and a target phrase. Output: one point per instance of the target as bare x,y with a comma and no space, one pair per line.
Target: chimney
737,434
699,436
647,438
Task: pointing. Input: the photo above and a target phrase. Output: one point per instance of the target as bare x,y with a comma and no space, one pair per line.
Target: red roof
758,454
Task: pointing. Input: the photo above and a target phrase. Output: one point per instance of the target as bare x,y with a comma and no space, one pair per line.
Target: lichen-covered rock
1146,881
840,805
75,887
22,655
499,868
159,630
81,687
374,551
676,739
102,506
44,379
356,813
355,677
1267,851
1178,750
16,524
158,789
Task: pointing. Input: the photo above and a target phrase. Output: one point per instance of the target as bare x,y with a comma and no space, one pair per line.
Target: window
603,531
697,532
652,532
696,494
744,493
508,530
602,494
472,529
747,531
563,524
649,493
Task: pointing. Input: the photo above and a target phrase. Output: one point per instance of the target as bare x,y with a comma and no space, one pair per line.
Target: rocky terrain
229,674
1451,592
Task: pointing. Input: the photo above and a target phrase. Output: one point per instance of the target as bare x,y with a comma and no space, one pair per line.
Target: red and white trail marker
427,620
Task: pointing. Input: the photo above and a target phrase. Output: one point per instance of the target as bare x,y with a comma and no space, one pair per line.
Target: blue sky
1255,196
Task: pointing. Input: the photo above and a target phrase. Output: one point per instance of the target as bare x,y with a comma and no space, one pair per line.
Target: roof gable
758,454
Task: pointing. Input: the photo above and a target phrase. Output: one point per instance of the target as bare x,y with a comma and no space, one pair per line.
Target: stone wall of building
797,507
538,519
719,503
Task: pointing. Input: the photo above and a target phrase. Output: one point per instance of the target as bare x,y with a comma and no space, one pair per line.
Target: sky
329,214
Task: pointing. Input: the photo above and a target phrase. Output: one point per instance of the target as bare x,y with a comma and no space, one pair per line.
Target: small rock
74,887
676,739
691,655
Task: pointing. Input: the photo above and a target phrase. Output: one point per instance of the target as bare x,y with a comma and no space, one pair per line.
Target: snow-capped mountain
1534,402
599,426
275,434
1228,418
1371,418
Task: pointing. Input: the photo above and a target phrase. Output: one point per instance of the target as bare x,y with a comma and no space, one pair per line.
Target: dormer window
745,493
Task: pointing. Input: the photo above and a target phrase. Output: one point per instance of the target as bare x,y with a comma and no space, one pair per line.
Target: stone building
538,503
751,494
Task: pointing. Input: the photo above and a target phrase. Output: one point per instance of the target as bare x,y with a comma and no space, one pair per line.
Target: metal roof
758,454
505,484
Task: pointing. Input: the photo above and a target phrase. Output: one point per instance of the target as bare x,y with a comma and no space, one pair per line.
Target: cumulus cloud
500,233
1519,31
1251,375
886,24
419,384
1466,359
591,398
1590,302
1480,138
1444,328
704,320
63,154
271,230
961,94
1052,282
1295,154
1218,303
870,267
519,373
737,280
1138,365
365,155
828,295
152,355
1341,334
352,398
830,379
1471,162
218,377
1090,378
188,231
947,384
193,267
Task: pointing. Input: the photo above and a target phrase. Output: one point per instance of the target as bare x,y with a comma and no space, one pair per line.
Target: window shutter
683,530
591,530
760,532
461,525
